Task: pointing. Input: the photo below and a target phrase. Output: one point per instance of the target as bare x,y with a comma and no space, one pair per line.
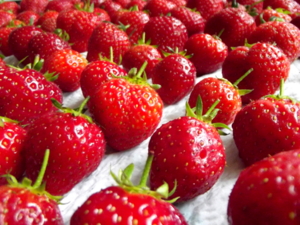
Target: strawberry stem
146,171
41,174
236,83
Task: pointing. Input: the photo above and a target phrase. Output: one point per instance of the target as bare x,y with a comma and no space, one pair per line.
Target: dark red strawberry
128,109
266,192
76,147
37,6
47,21
269,65
188,154
134,203
207,52
24,202
285,35
28,17
104,37
12,137
207,8
176,75
68,65
166,32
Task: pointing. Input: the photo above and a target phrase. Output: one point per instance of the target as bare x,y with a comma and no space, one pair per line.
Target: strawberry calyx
38,187
123,179
7,120
175,51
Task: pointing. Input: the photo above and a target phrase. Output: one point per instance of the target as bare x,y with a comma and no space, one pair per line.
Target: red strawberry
4,34
290,5
207,52
285,35
207,8
188,154
12,137
96,73
176,75
266,192
2,62
128,109
139,4
68,65
159,7
59,5
47,21
269,14
28,17
127,202
6,17
111,7
254,7
76,144
273,128
37,6
166,32
266,75
23,203
104,37
10,6
232,24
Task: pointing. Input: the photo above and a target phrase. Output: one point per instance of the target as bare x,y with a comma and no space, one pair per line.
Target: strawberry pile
202,94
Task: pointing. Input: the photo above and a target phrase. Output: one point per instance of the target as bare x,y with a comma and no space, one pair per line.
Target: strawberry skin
115,204
266,192
189,152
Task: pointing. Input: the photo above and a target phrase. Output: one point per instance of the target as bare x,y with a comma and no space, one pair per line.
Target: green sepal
6,119
280,95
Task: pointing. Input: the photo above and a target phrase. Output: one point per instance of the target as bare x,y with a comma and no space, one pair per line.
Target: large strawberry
128,109
127,202
12,137
76,144
188,154
267,126
27,203
266,192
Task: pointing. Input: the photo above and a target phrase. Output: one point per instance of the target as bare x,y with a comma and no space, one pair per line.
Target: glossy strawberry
68,65
159,7
128,109
188,154
265,193
76,147
269,65
207,52
12,137
47,21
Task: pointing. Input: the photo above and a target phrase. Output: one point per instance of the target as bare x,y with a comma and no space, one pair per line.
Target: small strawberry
68,65
27,203
6,17
47,21
188,154
37,6
267,126
176,75
28,17
59,5
127,202
111,7
290,5
159,7
128,109
207,52
269,14
266,192
4,34
76,147
207,8
10,6
12,137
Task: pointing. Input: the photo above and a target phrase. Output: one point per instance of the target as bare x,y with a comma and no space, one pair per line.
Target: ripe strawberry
266,192
4,34
76,144
266,75
128,109
139,4
28,17
23,203
176,75
273,128
37,6
207,52
2,62
285,35
207,8
26,94
290,5
59,5
68,65
269,14
188,154
159,7
6,17
253,7
10,6
104,37
232,24
47,21
96,73
166,32
111,7
12,137
134,203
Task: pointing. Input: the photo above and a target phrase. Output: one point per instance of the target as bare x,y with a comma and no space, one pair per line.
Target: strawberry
273,128
23,203
166,32
269,14
111,7
128,109
10,6
4,47
12,137
68,65
127,202
266,192
76,147
254,7
139,4
28,17
104,37
285,35
2,62
59,5
176,75
47,21
159,7
207,8
232,24
266,75
207,52
188,154
290,5
6,17
37,6
96,73
26,94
